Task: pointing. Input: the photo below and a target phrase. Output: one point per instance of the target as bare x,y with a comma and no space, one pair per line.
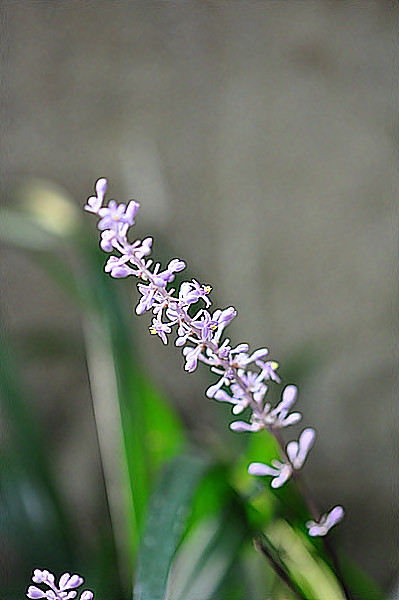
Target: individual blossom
191,291
296,456
280,472
115,215
192,356
94,203
117,267
298,451
326,521
161,329
242,426
279,416
65,590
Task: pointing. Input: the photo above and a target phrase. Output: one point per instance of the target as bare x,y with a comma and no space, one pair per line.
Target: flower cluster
243,376
65,590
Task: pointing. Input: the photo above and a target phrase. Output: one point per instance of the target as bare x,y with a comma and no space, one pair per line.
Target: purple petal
176,265
326,522
291,419
239,408
101,187
335,516
314,529
239,348
261,353
285,474
34,592
223,396
131,211
42,576
306,440
292,451
213,389
289,397
241,426
86,595
261,469
120,271
64,579
75,581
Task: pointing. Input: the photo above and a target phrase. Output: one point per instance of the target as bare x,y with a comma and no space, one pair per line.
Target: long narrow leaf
167,516
205,559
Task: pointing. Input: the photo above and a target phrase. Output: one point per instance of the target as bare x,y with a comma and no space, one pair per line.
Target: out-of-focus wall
258,139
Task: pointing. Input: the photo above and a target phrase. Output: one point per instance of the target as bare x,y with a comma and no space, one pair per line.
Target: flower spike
244,376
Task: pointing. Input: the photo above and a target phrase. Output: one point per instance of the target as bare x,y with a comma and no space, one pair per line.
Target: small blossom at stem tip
325,523
280,472
298,451
94,203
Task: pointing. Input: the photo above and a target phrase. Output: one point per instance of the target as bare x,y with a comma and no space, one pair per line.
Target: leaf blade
165,524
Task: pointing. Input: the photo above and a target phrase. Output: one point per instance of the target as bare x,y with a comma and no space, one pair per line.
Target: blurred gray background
260,139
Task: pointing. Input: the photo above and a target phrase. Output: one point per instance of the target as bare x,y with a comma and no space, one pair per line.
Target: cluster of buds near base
64,590
242,375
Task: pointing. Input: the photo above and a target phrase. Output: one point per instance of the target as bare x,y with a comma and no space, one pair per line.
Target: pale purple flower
94,203
279,417
176,265
192,355
242,359
254,384
107,238
191,291
183,330
222,318
131,212
206,326
115,215
225,350
298,451
167,276
280,472
60,592
117,268
242,426
150,294
240,398
34,592
143,248
161,329
326,521
44,576
269,369
212,391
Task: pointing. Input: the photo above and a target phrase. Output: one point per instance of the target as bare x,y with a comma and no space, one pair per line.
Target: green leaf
309,572
167,514
207,555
